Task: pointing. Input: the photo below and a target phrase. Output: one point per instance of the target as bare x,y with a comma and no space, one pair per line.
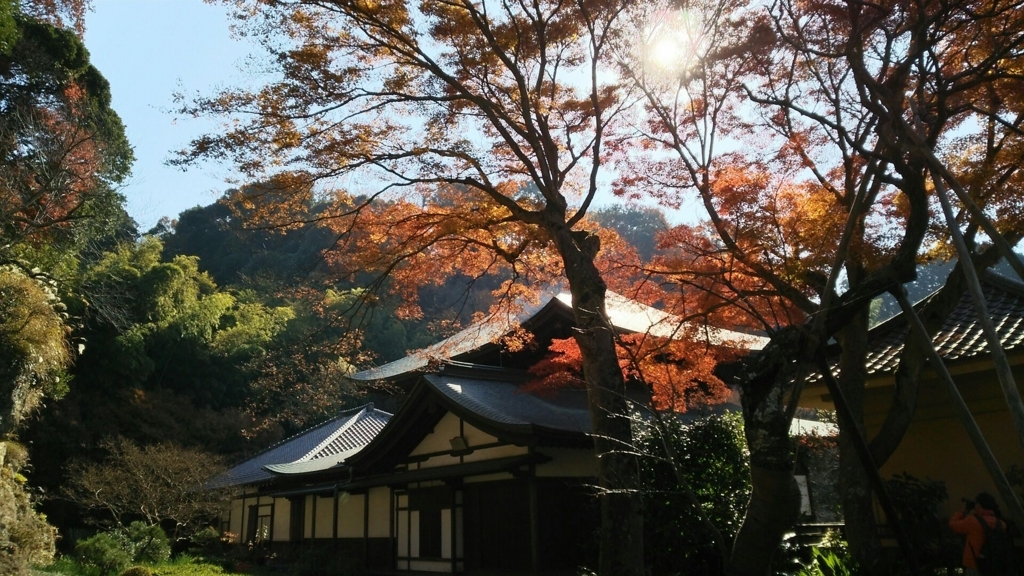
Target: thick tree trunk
775,498
621,540
854,483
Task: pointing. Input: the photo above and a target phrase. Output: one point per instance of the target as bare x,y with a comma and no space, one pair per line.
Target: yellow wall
235,524
350,515
936,445
324,516
307,518
439,440
380,507
282,519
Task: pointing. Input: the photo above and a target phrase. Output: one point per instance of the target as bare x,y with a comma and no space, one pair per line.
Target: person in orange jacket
966,522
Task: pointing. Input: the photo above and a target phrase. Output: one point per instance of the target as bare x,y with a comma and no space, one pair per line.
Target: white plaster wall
435,461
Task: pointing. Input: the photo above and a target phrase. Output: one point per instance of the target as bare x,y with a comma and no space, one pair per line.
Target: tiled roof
625,314
318,448
505,404
961,336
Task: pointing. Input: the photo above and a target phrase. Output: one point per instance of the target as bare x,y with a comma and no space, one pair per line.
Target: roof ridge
333,436
986,276
303,432
1003,282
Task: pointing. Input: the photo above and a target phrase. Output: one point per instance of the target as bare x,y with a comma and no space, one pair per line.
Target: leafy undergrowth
183,565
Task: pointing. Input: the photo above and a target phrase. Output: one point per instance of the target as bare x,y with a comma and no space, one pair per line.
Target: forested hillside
221,339
402,168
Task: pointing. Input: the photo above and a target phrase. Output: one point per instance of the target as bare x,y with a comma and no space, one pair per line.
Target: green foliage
33,351
711,454
207,540
63,147
639,226
8,26
167,324
25,536
919,504
831,562
189,569
68,566
105,552
145,543
182,565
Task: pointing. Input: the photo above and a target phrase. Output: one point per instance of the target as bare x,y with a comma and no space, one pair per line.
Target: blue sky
149,49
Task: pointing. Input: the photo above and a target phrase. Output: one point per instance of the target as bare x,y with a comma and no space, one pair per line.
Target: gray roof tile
961,336
505,403
320,447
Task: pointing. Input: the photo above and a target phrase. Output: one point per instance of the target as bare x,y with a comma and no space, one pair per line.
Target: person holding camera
988,550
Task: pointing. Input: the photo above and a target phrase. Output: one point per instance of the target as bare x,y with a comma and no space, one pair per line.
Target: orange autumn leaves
780,233
57,165
679,374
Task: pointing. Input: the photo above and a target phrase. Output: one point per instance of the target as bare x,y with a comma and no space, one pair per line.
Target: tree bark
775,497
854,483
621,538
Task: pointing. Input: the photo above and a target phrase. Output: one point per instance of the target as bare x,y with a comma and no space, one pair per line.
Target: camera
968,503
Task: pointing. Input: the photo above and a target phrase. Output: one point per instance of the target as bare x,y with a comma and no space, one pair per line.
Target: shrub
68,566
919,504
185,565
137,571
104,552
711,454
208,540
144,543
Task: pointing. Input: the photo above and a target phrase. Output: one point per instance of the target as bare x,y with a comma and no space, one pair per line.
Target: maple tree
811,134
466,138
161,483
63,148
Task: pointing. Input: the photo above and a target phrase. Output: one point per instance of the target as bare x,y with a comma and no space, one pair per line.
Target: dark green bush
137,571
104,552
711,454
919,504
208,540
147,544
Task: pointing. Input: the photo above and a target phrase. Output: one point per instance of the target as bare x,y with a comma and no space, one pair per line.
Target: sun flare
673,42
